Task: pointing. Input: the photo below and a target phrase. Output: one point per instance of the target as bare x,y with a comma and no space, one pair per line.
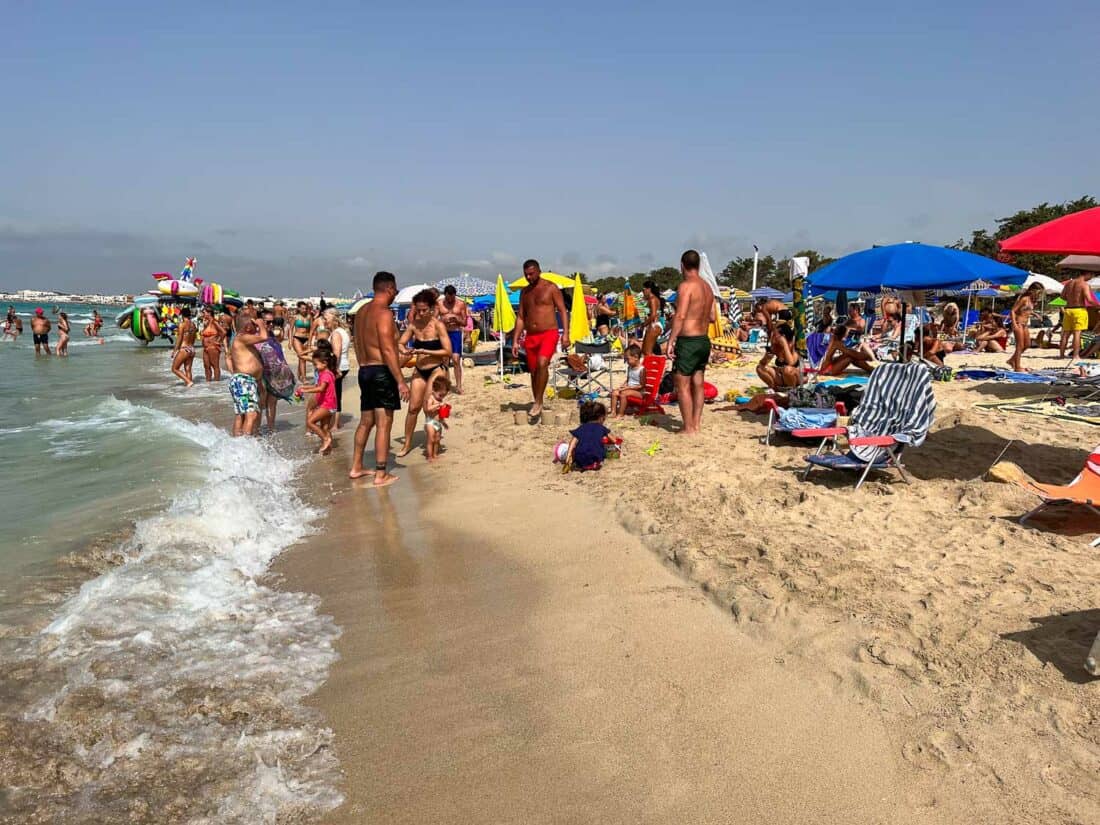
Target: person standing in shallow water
183,355
688,342
382,387
40,332
540,305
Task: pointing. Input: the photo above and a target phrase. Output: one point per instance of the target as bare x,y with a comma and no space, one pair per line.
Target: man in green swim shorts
689,343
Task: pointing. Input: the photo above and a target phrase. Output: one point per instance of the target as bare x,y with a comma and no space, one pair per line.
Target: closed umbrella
578,315
504,317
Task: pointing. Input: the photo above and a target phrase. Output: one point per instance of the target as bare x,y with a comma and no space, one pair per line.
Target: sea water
147,672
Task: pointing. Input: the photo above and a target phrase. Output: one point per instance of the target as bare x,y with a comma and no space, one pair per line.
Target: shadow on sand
1062,640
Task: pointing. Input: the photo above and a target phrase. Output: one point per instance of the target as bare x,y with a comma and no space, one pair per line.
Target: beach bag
278,376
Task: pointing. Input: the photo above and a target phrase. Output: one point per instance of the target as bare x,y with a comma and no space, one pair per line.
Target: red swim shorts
540,345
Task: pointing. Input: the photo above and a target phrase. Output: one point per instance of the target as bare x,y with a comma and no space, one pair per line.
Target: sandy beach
513,649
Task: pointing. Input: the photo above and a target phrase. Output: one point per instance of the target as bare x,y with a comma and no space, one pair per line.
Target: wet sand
511,654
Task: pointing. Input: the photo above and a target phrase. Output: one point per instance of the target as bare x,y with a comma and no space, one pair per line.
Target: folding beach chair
1084,491
654,366
897,411
589,379
776,414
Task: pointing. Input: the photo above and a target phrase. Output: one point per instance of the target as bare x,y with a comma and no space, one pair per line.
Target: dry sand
898,653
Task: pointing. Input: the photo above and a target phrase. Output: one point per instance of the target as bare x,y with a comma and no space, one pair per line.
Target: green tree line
775,272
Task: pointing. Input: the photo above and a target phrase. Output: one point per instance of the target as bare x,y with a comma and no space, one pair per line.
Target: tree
983,243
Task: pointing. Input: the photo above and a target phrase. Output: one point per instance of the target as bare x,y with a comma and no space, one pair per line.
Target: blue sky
285,145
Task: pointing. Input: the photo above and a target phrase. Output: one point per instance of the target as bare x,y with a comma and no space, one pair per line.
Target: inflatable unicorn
185,286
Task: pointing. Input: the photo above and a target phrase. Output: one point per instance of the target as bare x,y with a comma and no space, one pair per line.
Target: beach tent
504,317
552,277
405,296
467,286
1075,234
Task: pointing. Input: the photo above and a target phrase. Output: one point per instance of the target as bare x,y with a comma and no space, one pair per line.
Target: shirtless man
768,308
538,303
688,341
452,312
1075,292
244,383
382,387
1021,317
40,329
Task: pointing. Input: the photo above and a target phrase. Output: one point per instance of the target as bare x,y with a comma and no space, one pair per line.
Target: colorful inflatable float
157,314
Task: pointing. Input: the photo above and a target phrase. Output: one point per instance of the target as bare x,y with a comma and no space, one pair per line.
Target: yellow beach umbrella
504,317
578,314
552,277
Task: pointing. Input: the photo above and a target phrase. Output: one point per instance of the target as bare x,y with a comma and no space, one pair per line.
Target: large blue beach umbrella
911,266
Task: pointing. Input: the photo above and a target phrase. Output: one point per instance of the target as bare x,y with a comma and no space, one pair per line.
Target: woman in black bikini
303,323
786,372
425,338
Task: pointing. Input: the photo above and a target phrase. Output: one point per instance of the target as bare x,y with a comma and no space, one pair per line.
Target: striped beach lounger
897,411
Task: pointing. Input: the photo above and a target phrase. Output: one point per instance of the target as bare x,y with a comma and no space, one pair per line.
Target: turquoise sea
145,665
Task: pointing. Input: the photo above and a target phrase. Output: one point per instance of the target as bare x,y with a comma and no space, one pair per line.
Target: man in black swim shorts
382,387
40,329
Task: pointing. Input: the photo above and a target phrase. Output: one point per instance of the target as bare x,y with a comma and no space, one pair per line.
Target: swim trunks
378,388
42,338
540,345
692,354
456,341
245,392
1075,319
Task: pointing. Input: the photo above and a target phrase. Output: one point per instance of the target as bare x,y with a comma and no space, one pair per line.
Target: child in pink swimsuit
320,418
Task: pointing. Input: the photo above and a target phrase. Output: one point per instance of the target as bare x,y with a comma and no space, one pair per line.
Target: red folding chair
654,366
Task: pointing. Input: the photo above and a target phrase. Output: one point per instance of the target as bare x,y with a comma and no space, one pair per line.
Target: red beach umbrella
1074,234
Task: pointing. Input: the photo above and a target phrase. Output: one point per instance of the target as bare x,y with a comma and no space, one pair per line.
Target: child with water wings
588,444
319,419
435,414
635,382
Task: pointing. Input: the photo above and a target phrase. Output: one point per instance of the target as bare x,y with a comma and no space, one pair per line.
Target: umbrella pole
966,317
901,337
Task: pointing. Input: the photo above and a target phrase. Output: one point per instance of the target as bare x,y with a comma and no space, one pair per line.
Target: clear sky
307,145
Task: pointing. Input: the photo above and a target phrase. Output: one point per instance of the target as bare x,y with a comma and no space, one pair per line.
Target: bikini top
303,323
432,344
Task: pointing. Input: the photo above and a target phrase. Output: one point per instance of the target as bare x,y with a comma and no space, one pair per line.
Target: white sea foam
196,670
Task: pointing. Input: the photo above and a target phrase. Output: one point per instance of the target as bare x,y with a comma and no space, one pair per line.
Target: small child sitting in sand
635,382
587,449
435,414
319,419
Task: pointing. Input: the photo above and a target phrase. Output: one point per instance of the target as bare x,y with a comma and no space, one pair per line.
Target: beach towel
817,343
801,418
278,376
898,402
1007,376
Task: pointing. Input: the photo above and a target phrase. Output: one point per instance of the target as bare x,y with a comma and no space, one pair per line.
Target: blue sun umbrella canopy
911,266
486,301
768,293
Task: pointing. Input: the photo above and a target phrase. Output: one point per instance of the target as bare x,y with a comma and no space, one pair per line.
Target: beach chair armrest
769,404
873,441
840,408
822,432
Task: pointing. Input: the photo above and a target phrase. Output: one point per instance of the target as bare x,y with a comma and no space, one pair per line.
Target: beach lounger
897,410
776,415
654,366
1083,491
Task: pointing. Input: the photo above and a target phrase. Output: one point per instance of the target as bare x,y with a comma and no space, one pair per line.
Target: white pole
755,264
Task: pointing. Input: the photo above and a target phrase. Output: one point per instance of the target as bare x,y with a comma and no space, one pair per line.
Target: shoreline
823,611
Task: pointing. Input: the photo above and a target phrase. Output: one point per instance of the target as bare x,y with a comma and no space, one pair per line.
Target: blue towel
1006,375
806,418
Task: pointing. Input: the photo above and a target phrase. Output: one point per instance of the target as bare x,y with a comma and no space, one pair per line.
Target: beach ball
560,452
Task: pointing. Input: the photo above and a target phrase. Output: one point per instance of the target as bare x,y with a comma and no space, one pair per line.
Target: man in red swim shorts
541,304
